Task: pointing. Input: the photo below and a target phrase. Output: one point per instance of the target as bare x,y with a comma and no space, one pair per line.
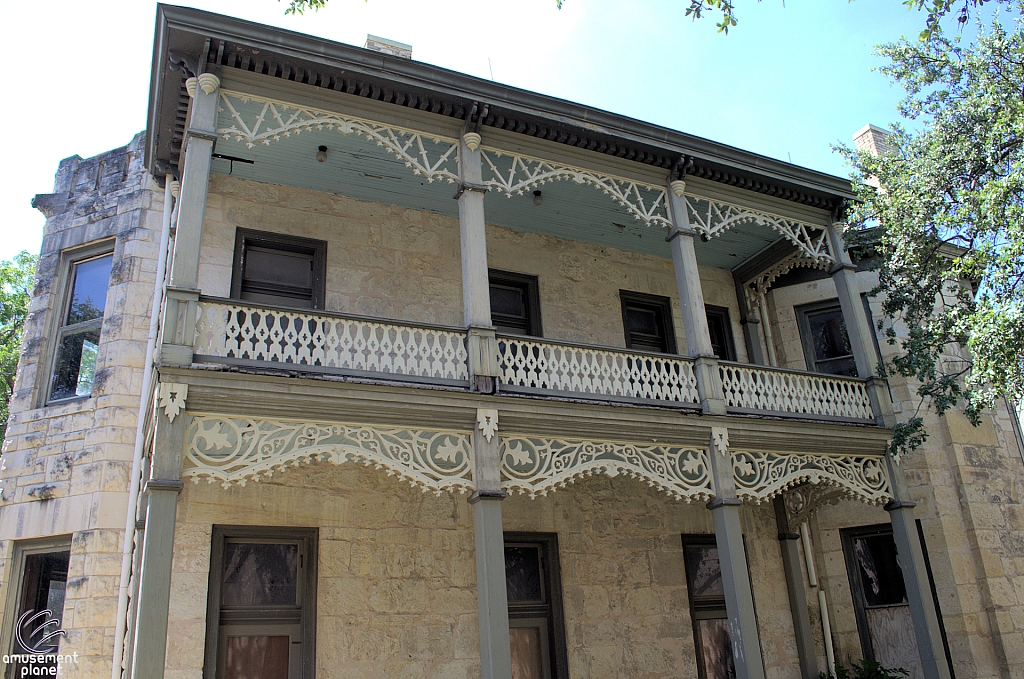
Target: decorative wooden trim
761,476
236,450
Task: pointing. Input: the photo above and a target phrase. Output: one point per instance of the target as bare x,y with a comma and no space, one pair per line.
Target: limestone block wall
397,579
65,467
397,263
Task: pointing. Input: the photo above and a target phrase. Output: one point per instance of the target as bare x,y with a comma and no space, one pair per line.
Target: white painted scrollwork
712,218
761,476
537,466
233,450
534,364
171,397
258,120
515,174
231,330
757,287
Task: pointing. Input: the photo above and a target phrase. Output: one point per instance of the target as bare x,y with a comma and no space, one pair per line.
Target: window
515,303
262,604
721,332
78,338
647,320
280,270
826,344
536,630
880,598
38,606
707,608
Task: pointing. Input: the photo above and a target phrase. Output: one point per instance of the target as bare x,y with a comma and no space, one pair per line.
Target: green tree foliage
947,219
15,283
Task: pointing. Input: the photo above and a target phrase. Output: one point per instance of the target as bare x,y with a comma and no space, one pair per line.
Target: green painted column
739,599
149,653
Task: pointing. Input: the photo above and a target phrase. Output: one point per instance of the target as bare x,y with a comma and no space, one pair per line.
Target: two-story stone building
353,366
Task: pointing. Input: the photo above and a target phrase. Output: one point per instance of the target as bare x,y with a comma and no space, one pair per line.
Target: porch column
492,597
739,600
179,325
797,594
915,577
691,301
163,486
476,293
858,328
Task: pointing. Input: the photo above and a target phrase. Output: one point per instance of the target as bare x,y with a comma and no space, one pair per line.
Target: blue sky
789,81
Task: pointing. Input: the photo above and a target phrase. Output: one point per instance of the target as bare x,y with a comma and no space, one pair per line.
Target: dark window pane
302,300
89,290
721,333
522,574
257,657
527,660
260,574
716,649
829,333
75,368
279,266
508,301
42,601
880,574
643,321
703,571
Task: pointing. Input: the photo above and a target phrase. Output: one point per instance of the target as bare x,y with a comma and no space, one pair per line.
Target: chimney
873,139
395,49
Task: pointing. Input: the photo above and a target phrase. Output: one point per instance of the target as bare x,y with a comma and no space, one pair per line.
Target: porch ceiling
358,168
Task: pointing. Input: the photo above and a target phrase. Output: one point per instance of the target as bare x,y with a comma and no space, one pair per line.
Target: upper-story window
825,341
647,320
277,269
78,338
515,303
720,329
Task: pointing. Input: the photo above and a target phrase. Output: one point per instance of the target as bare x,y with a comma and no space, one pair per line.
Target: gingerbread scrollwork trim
171,397
537,466
761,476
236,450
803,501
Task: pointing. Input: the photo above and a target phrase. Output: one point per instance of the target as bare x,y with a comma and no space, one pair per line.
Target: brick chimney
395,49
872,138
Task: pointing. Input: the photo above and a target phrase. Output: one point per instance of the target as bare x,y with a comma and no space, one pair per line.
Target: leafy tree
948,220
15,281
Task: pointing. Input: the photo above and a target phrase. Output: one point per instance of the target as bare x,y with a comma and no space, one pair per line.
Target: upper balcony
331,244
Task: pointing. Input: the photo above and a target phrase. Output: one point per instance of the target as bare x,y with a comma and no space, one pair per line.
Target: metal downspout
140,435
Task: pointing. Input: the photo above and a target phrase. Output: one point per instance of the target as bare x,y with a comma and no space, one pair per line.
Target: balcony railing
325,342
755,389
542,366
230,331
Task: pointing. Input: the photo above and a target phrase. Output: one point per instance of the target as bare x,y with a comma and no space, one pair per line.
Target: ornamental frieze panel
236,450
761,476
537,466
254,120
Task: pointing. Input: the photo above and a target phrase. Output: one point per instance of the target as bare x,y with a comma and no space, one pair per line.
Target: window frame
55,327
803,313
15,584
308,539
722,313
552,583
661,305
703,612
846,537
531,288
286,243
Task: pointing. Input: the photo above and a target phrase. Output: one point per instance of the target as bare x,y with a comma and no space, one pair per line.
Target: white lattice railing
229,329
551,366
782,391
